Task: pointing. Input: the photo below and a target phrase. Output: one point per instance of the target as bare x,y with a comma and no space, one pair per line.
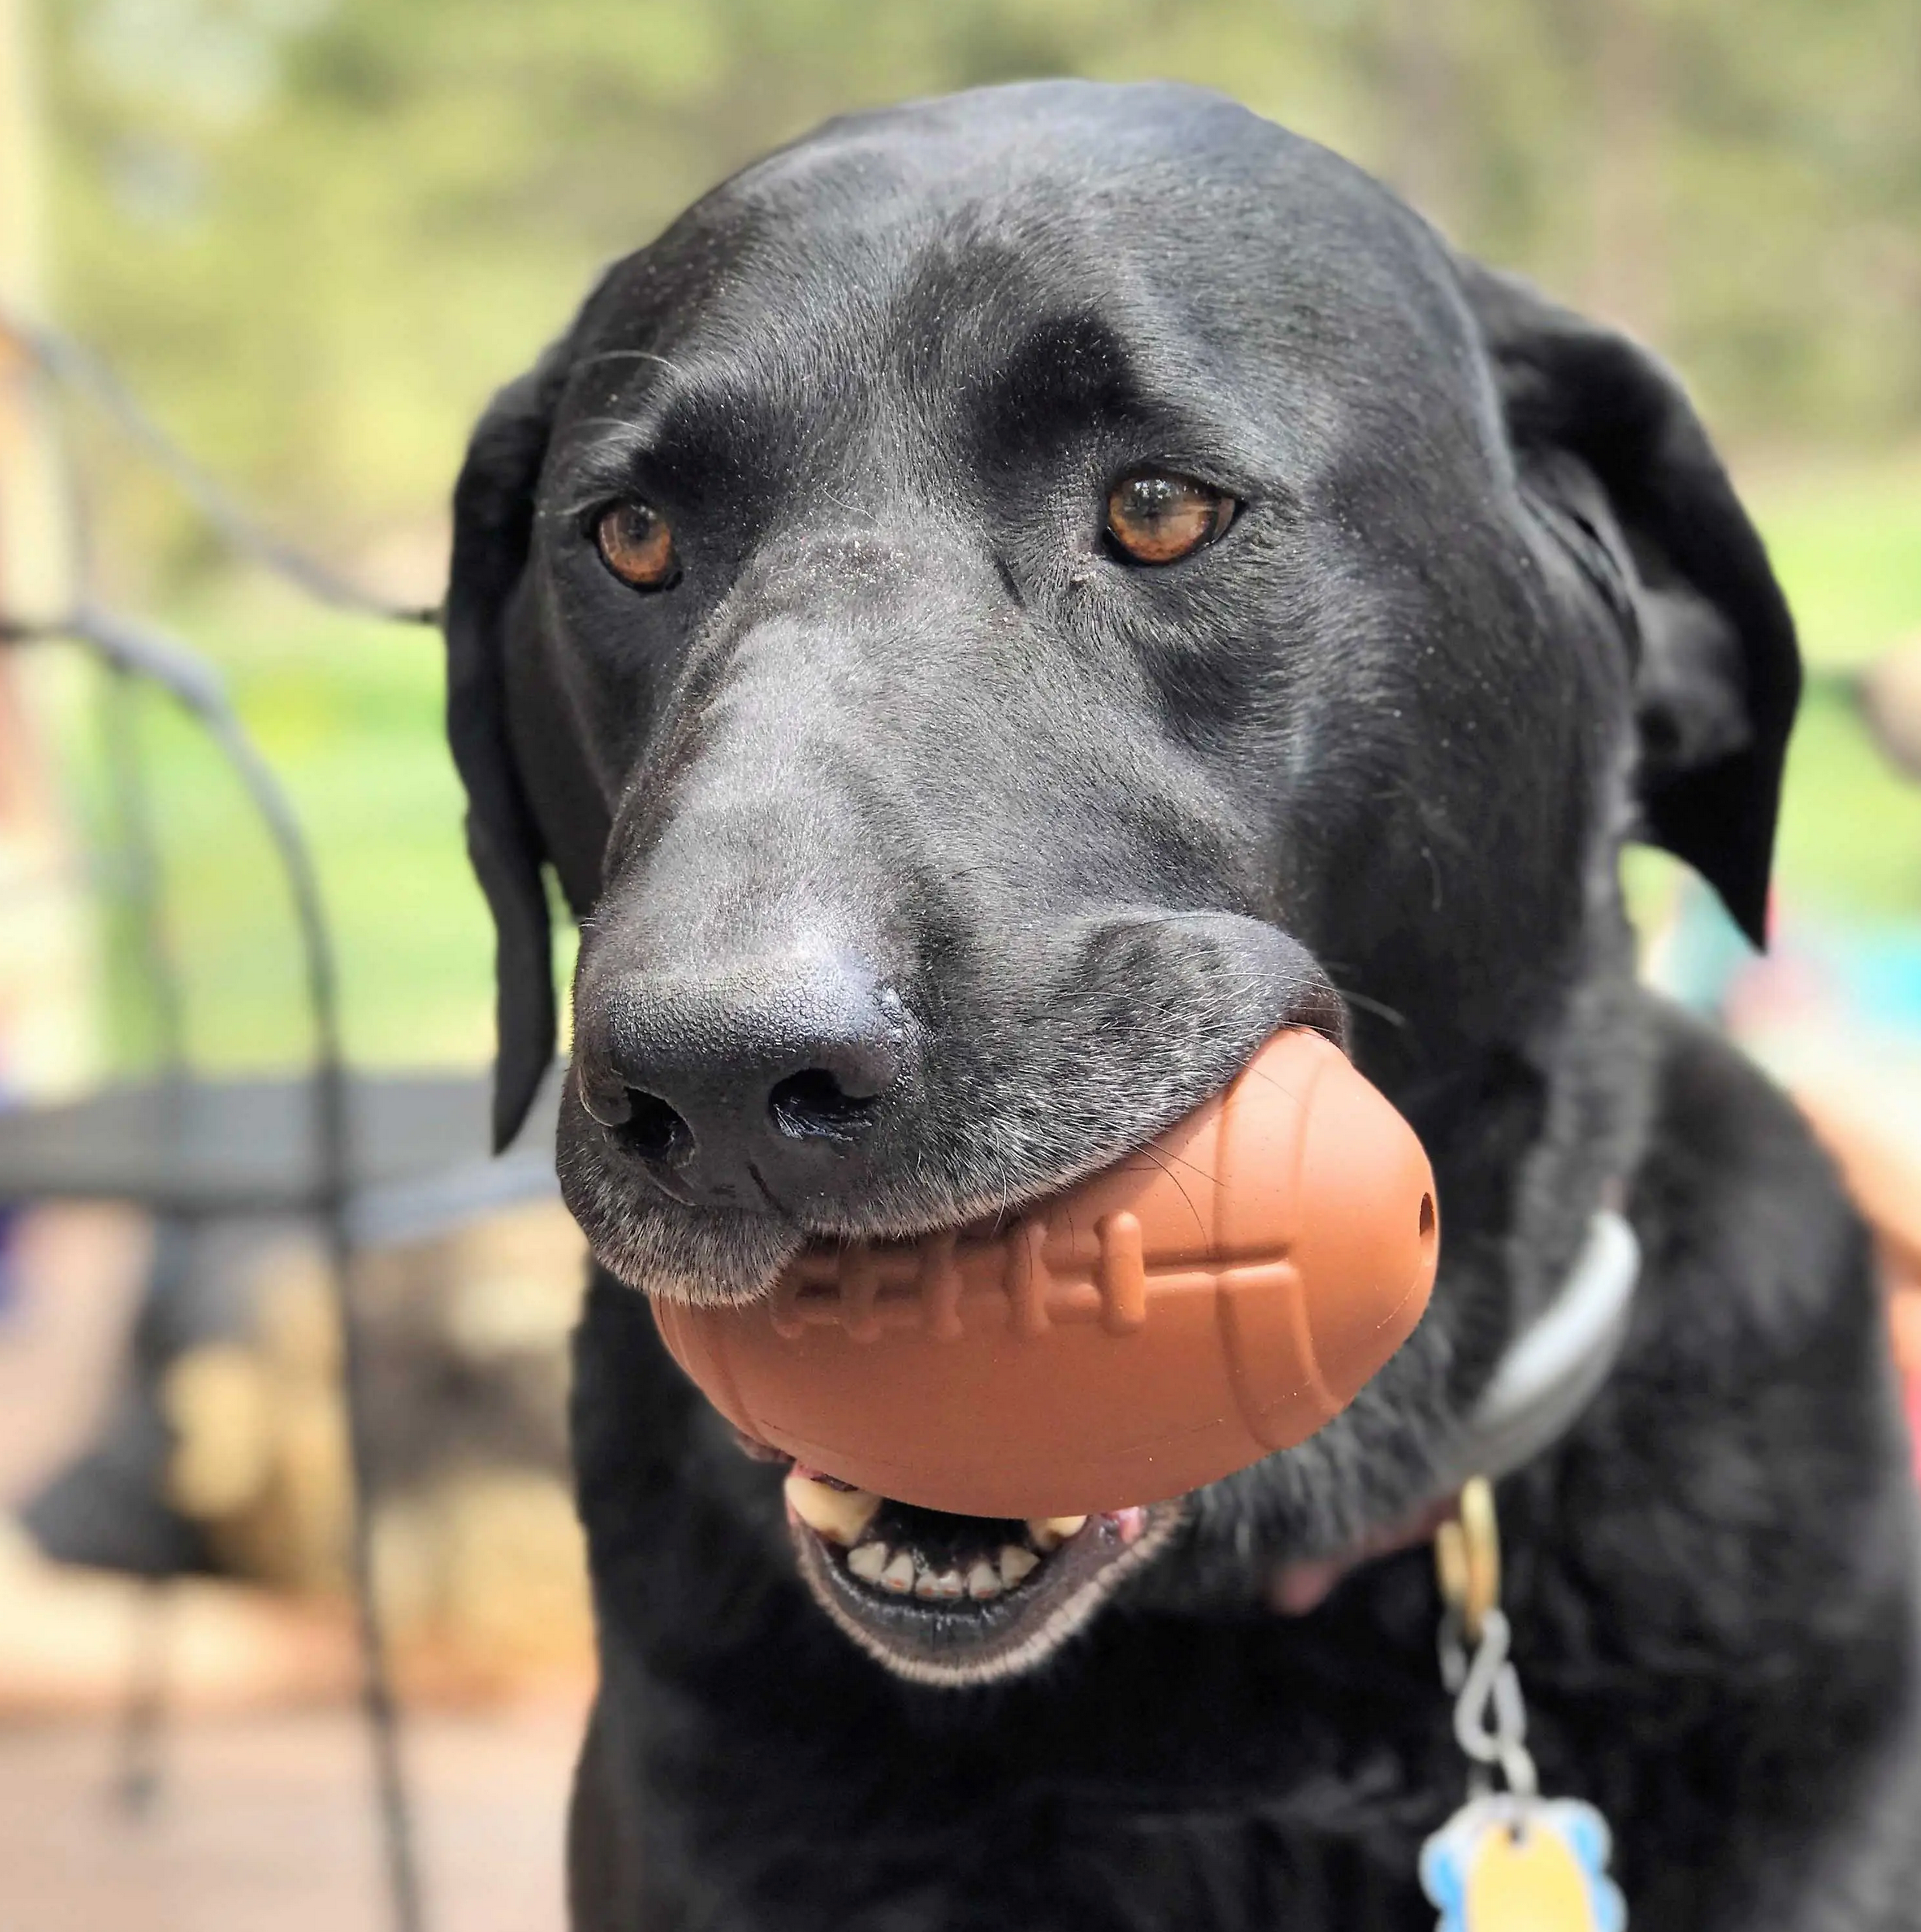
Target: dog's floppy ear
493,520
1718,675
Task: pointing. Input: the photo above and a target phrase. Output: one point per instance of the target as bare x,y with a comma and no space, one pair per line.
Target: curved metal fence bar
135,650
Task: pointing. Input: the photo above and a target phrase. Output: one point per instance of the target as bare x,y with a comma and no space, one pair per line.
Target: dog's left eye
1153,518
636,545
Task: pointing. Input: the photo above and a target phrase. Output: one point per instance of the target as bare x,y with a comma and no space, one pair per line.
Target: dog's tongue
1220,1295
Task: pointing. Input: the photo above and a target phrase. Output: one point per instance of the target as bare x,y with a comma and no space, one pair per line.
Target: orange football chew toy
1172,1318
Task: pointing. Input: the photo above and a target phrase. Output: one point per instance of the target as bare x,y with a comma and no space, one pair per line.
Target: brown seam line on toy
1112,1289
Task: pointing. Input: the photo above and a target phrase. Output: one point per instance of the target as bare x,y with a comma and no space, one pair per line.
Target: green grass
1846,541
350,714
1849,843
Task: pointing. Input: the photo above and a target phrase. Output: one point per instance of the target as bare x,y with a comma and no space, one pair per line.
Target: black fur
1490,608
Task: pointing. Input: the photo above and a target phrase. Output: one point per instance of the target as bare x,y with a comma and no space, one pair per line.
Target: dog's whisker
627,355
1393,1015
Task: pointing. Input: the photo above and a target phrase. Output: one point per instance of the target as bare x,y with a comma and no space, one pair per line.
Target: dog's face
1005,605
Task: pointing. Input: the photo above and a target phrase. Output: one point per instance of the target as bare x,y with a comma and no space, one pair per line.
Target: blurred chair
200,1155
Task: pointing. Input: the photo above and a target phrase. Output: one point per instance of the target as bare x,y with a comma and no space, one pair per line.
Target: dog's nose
746,1087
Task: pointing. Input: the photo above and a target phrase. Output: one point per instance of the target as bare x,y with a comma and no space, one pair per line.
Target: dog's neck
1556,1367
1540,1388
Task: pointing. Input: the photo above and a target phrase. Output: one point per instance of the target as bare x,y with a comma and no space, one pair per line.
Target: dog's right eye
1153,518
636,545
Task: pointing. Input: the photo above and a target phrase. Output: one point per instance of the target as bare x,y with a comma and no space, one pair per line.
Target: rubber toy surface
1221,1294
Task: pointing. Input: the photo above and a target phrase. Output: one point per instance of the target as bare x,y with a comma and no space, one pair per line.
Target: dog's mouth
950,1600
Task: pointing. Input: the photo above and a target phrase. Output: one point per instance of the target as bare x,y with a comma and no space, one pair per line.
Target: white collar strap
1556,1368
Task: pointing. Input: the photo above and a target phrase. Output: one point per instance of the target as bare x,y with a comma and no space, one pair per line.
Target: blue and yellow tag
1508,1864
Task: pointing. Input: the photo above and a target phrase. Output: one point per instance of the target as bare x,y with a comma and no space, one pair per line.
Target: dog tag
1504,1863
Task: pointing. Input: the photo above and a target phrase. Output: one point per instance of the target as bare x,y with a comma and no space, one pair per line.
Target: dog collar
1556,1368
1508,1857
1549,1375
1511,1857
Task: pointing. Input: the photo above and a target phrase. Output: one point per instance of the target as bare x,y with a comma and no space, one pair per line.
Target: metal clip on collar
1490,1718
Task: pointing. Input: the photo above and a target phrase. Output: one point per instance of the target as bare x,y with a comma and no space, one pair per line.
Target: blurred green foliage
314,234
349,712
318,232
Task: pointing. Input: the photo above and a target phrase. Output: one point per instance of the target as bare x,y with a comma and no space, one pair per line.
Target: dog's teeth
983,1580
931,1584
898,1575
945,1583
868,1561
841,1515
1017,1563
1050,1532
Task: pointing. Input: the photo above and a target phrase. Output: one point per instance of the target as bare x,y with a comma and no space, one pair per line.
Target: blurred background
311,237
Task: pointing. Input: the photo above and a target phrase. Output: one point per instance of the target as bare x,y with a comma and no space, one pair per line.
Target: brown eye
1155,518
636,545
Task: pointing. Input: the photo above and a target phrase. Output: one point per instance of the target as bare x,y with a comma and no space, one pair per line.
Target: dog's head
1004,604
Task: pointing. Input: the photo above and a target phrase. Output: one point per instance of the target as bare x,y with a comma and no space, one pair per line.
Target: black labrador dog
1005,604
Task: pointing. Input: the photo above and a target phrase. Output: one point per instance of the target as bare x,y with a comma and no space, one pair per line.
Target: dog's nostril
653,1130
813,1106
